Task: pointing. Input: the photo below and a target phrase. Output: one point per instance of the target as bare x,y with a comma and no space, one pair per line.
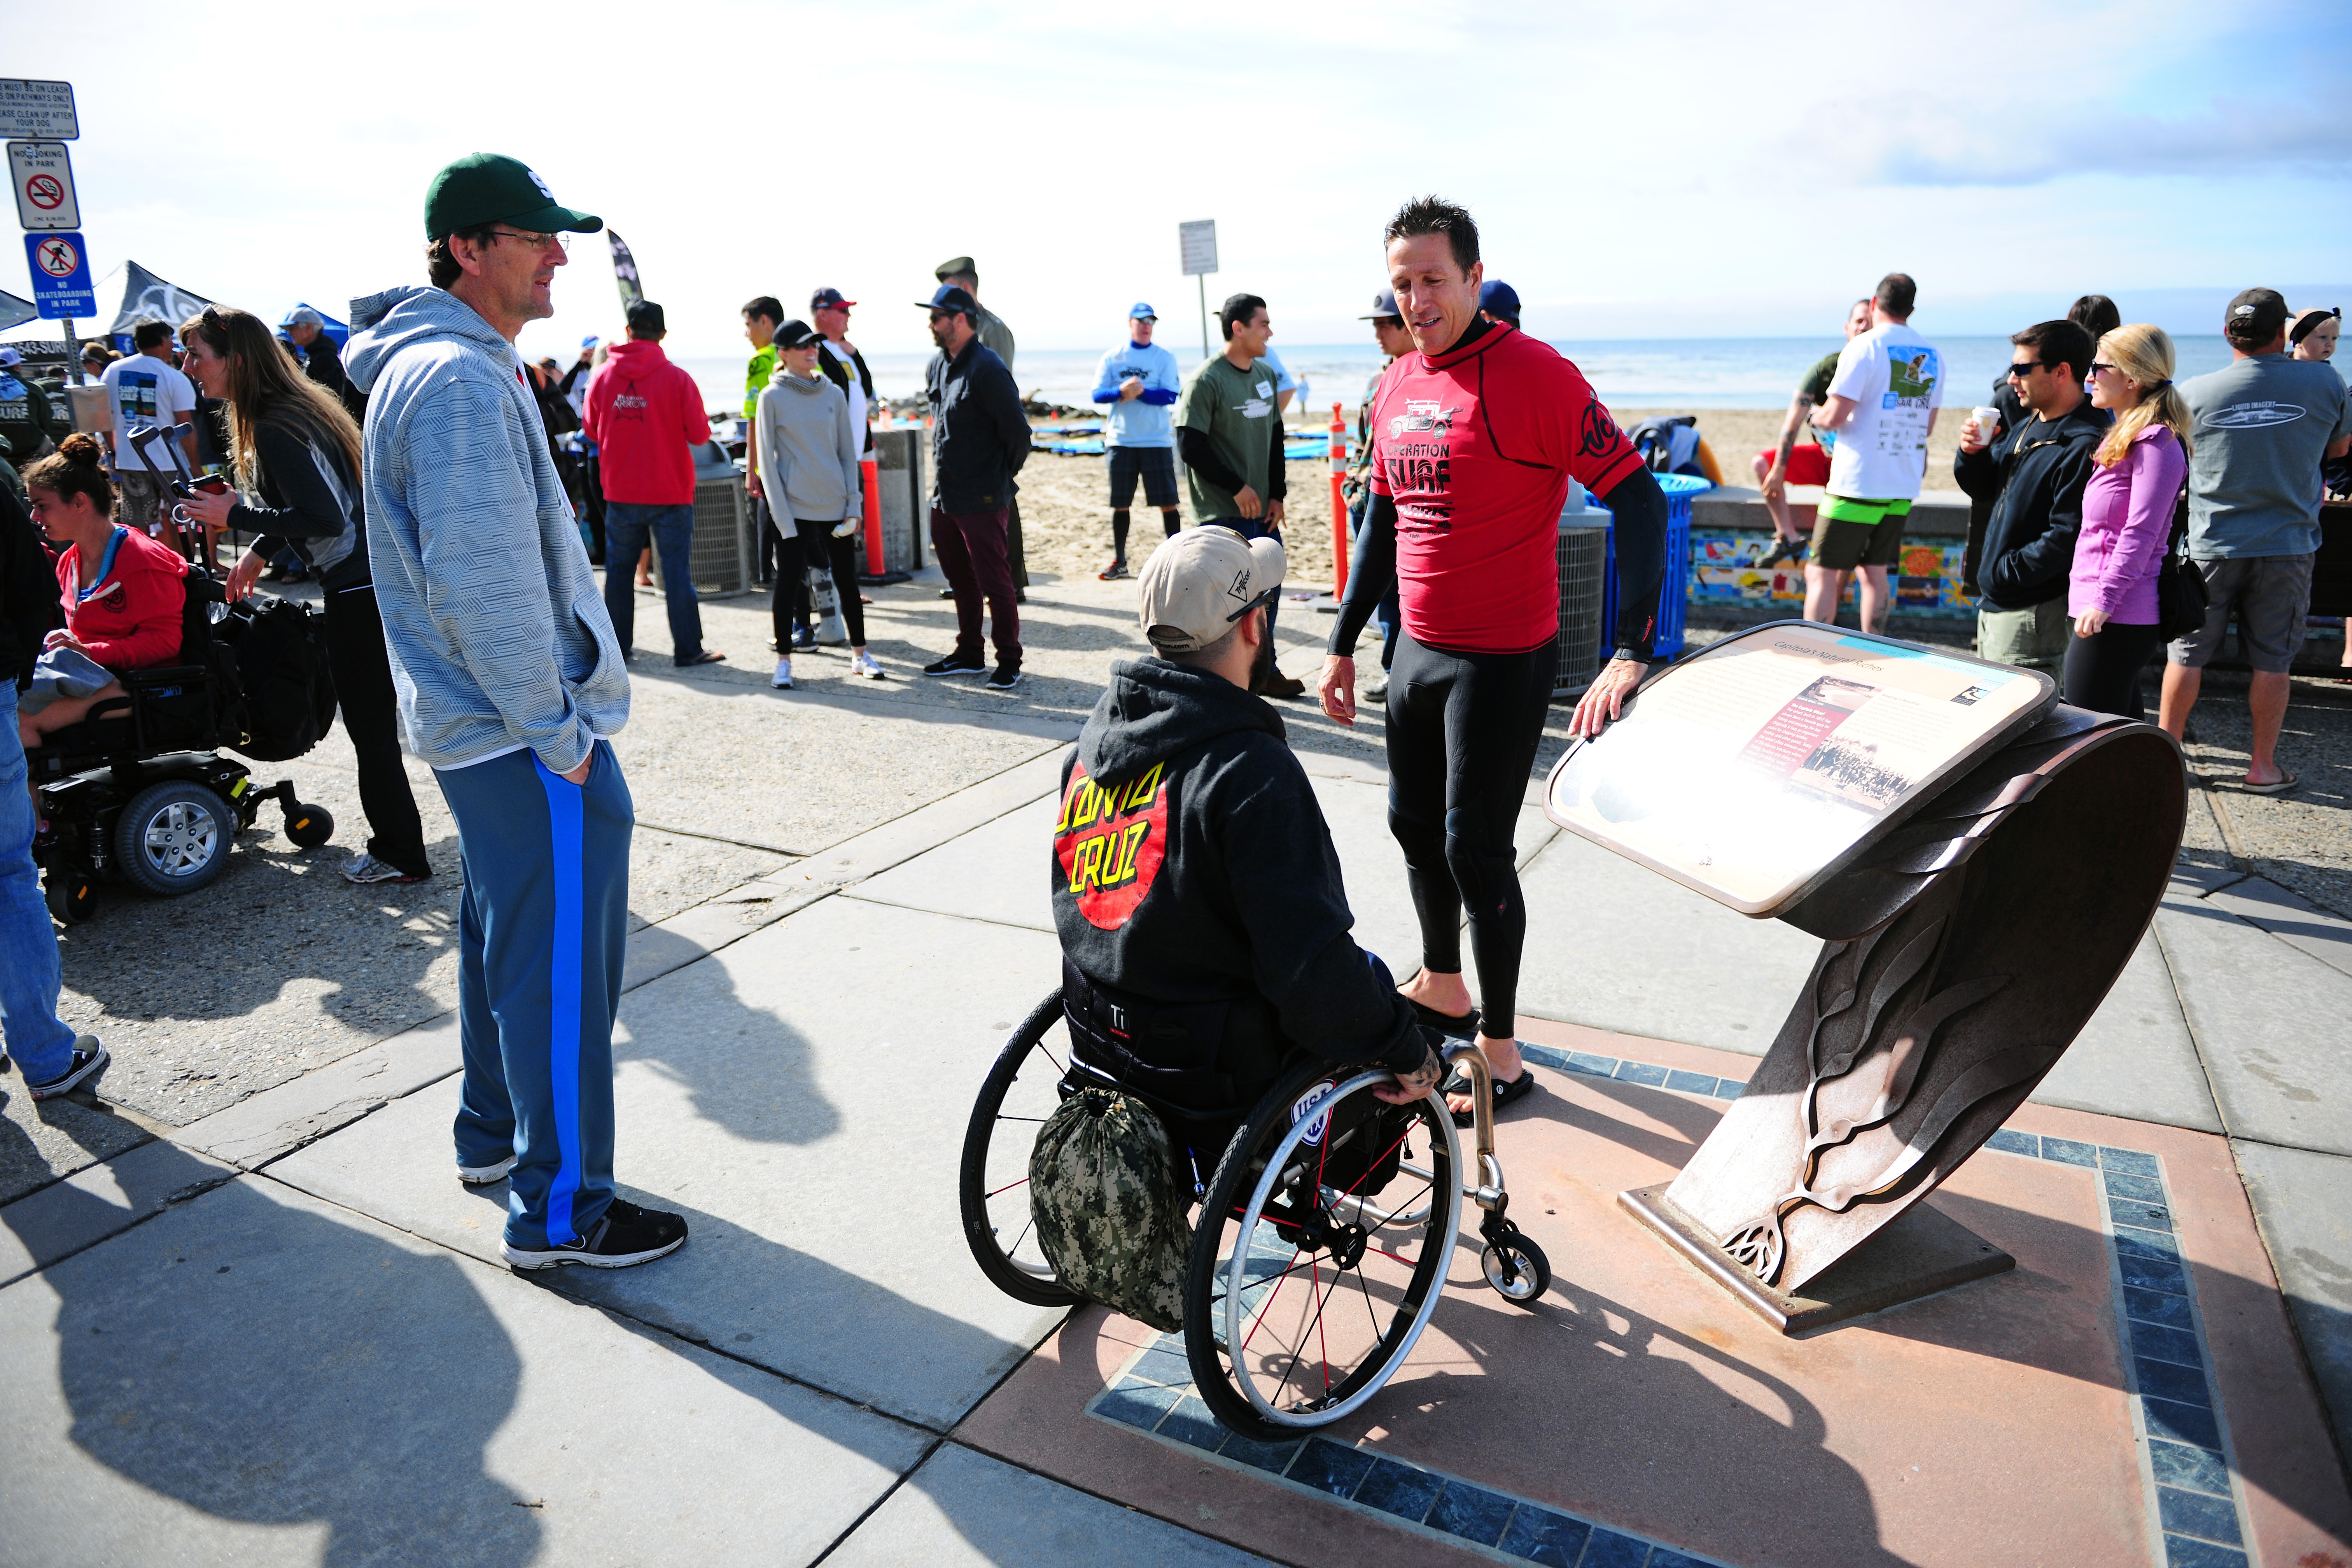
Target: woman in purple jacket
2126,520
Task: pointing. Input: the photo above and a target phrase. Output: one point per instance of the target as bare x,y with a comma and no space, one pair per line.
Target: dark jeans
971,546
812,544
591,504
1016,559
364,692
626,526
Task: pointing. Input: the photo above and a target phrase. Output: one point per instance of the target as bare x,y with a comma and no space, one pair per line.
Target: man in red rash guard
1474,437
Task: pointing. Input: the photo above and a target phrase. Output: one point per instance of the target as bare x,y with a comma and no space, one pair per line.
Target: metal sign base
1923,1252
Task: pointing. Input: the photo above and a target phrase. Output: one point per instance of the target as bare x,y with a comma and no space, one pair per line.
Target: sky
1637,171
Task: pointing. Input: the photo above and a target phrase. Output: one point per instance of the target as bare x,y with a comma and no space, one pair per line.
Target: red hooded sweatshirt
130,618
646,416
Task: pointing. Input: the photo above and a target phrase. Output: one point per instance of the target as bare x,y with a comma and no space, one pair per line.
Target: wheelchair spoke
1007,1187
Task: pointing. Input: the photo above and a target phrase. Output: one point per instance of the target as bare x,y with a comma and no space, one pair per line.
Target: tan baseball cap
1199,583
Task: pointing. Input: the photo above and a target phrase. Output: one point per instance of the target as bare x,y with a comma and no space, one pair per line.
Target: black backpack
281,665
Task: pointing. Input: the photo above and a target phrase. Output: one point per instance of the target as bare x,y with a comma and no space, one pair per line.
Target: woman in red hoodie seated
124,594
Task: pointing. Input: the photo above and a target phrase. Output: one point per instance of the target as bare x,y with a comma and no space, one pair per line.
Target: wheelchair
138,792
1322,1237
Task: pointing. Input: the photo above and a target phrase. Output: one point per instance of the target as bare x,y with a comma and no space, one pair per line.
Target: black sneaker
88,1056
622,1236
803,638
1113,572
957,664
1005,678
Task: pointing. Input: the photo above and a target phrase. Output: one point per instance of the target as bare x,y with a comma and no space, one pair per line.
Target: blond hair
2143,353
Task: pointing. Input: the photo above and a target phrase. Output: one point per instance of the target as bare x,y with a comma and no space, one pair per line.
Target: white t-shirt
840,356
1896,378
144,390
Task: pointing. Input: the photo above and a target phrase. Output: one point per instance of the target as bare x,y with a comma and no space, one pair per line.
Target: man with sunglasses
2033,473
511,683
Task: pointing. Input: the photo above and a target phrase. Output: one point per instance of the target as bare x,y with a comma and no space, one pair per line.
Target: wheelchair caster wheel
1517,1269
308,826
70,898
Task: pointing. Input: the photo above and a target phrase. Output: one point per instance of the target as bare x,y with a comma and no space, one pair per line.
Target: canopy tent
146,297
14,312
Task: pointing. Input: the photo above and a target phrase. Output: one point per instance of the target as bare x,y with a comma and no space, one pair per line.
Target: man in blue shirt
1137,385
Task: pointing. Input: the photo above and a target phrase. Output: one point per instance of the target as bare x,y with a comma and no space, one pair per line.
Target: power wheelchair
1324,1232
138,792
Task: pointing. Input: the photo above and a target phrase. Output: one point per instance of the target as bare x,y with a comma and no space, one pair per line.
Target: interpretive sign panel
1198,242
1751,770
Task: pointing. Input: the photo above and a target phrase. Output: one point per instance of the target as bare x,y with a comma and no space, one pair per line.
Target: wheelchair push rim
1286,1366
1021,1090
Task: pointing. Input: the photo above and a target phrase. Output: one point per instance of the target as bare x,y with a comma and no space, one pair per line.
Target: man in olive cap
510,684
958,272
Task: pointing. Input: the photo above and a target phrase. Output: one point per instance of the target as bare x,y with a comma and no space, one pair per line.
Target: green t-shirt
1816,386
1235,409
756,379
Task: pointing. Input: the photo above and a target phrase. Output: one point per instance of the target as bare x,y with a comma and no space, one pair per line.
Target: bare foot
1502,1061
1446,994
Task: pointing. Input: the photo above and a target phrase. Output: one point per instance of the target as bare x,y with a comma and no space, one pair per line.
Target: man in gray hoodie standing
511,683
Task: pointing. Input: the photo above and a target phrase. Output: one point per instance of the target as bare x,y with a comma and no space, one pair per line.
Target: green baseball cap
487,187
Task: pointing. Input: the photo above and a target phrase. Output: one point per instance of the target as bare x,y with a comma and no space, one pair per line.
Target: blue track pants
540,938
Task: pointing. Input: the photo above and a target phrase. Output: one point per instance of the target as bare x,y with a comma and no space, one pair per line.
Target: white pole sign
42,174
1199,242
37,111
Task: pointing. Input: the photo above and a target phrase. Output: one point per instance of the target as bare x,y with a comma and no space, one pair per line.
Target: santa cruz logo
2254,415
1109,843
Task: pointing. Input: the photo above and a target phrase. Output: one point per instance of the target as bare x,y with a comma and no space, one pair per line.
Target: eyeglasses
2023,365
536,241
2101,367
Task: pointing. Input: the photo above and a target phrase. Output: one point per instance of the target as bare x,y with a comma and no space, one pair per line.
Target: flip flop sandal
2286,782
1458,1082
710,655
1453,1025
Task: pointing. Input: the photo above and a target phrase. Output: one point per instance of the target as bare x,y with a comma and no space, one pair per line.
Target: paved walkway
246,1315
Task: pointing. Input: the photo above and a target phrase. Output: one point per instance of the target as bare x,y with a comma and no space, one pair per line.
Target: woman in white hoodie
808,464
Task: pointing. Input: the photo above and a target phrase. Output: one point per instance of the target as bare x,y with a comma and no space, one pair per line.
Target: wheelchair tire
990,1188
174,838
1517,1268
1392,1256
69,896
308,826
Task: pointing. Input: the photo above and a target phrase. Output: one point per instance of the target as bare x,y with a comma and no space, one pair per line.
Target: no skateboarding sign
61,282
42,174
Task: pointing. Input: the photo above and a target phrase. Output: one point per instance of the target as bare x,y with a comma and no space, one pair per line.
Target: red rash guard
1476,447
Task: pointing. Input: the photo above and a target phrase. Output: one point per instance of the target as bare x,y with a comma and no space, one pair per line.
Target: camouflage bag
1111,1211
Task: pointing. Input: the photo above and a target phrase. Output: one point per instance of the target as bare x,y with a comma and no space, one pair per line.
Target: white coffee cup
1987,421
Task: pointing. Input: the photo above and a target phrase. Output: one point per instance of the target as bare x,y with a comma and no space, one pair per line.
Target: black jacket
980,436
2034,474
30,605
1205,876
310,500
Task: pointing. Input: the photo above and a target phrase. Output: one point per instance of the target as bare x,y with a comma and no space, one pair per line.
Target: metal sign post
1198,242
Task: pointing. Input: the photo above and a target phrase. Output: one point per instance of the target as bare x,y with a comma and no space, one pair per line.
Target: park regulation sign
1197,242
61,283
37,111
42,174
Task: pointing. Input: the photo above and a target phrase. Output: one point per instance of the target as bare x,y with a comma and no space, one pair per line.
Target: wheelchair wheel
173,838
308,826
1021,1090
1320,1251
69,896
1517,1268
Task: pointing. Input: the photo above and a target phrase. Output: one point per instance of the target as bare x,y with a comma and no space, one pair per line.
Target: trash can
724,557
898,473
1673,594
1583,557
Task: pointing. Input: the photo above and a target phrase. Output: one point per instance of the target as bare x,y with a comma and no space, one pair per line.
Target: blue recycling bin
1673,594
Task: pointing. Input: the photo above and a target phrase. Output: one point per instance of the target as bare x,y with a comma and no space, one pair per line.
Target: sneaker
957,664
1280,685
1006,677
1376,689
1113,572
803,638
782,680
622,1236
947,593
862,663
1790,550
366,868
88,1056
483,1176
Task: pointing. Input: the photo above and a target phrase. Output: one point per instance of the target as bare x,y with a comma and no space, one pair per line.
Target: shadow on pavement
268,1365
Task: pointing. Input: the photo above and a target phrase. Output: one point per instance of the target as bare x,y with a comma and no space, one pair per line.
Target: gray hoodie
808,452
497,634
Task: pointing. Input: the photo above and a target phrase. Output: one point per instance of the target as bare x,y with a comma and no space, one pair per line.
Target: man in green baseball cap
495,235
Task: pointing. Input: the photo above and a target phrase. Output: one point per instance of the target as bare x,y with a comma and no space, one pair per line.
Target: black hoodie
1205,874
2034,474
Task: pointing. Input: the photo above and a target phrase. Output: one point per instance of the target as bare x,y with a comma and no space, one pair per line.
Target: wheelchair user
1197,894
124,596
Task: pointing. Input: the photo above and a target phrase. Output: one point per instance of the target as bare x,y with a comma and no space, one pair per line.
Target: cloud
2230,138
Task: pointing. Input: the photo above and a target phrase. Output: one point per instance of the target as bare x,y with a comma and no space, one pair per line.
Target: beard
1262,667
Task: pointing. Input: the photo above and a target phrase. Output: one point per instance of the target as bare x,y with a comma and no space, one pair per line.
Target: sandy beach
1065,501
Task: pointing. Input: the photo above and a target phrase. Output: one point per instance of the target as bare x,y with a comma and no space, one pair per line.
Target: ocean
1629,373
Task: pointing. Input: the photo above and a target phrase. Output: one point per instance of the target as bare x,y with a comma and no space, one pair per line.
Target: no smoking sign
43,175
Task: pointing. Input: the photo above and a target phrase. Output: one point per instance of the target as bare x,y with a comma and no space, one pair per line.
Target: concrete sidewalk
275,1330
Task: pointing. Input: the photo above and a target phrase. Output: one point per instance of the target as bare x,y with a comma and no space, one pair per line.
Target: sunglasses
2025,365
2101,367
